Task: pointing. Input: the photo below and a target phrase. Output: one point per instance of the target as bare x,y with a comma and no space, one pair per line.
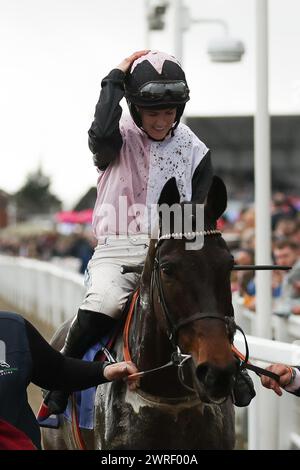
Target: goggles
155,91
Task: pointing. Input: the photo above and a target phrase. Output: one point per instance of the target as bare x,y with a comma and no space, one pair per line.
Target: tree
35,196
87,201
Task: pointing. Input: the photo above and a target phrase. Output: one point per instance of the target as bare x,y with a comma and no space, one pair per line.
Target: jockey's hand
121,370
285,374
126,63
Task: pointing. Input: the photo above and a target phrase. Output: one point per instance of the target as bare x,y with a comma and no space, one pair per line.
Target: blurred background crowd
66,238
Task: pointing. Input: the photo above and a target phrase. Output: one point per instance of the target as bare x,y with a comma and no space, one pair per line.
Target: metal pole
178,36
178,30
266,419
147,30
262,174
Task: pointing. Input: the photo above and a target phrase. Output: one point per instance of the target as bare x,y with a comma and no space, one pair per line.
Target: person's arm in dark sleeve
202,178
105,140
53,371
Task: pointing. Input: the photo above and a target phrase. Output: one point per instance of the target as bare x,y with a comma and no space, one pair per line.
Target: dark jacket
105,140
26,357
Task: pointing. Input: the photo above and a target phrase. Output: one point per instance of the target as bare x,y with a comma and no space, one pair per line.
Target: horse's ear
169,194
202,179
216,202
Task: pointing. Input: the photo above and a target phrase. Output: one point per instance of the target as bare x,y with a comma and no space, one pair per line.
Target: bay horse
183,313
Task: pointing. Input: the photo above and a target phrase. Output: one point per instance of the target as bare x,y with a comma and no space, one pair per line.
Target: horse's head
192,294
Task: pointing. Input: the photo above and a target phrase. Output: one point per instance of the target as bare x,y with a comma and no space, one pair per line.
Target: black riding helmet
157,81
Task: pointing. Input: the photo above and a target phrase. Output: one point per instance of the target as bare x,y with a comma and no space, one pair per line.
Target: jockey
135,156
25,356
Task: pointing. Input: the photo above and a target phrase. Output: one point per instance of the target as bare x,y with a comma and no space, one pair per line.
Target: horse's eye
167,269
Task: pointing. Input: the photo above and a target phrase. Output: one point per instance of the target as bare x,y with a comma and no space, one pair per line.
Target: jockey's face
157,122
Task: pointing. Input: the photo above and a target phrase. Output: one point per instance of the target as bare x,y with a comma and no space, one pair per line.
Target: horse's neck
151,346
150,349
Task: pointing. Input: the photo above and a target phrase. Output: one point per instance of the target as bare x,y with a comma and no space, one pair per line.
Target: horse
180,337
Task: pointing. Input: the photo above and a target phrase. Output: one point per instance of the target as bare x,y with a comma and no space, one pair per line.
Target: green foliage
35,196
87,201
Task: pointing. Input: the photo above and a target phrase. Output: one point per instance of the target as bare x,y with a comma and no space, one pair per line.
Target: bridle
173,326
178,359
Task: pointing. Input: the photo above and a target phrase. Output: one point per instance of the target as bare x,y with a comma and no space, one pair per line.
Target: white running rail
54,294
50,292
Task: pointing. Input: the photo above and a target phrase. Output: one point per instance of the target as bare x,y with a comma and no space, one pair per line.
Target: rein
245,364
177,359
259,267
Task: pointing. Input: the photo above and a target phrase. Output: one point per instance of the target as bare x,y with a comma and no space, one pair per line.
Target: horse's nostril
217,380
201,372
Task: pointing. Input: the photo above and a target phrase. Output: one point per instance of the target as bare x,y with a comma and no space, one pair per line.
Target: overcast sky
54,53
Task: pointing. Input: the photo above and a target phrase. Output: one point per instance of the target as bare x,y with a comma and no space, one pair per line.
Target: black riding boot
243,390
86,329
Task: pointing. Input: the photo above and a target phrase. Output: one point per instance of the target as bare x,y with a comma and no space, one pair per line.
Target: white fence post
286,418
50,292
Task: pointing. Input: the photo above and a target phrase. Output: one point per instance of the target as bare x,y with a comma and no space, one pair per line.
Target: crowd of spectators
238,227
285,222
52,245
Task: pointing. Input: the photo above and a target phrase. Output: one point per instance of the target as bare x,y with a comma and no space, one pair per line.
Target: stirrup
56,401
